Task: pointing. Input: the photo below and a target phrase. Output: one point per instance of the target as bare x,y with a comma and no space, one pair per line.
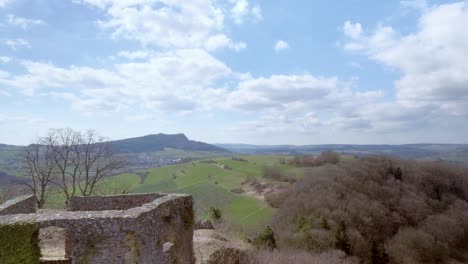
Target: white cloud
4,59
352,30
266,124
217,41
133,55
3,3
281,45
168,23
432,59
242,10
257,12
166,81
4,74
14,44
23,23
296,94
306,103
189,80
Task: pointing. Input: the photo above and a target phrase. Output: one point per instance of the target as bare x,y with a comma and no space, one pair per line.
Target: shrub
296,257
326,157
275,199
278,175
341,240
237,190
216,214
272,173
305,161
265,240
316,240
239,159
329,157
377,254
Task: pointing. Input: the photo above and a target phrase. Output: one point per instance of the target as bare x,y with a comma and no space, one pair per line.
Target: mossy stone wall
19,244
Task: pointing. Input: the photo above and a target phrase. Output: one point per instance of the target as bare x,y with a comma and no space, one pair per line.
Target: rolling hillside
234,185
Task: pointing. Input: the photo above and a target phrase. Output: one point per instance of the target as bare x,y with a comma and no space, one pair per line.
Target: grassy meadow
235,185
211,182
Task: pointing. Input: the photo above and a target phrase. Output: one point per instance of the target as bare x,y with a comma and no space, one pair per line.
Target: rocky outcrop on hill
214,246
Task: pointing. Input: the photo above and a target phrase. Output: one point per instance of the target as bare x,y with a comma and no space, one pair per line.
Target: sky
236,71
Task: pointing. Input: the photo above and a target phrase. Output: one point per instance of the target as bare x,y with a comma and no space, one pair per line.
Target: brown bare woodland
325,157
379,209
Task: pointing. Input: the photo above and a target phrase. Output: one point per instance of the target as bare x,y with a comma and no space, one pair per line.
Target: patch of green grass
119,183
241,207
248,213
207,195
55,200
260,217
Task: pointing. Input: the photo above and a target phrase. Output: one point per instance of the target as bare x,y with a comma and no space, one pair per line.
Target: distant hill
140,152
152,143
451,152
9,147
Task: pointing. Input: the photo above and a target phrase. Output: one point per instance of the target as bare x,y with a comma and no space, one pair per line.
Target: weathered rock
203,225
213,247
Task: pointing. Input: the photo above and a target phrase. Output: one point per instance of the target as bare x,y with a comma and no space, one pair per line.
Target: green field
211,182
217,182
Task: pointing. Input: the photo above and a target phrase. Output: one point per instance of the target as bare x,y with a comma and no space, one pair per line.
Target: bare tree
12,190
39,165
4,196
75,162
97,161
64,143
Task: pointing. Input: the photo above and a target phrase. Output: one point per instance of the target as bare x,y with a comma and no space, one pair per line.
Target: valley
235,185
304,197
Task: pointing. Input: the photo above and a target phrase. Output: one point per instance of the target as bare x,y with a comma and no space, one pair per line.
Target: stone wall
20,205
111,202
158,231
170,228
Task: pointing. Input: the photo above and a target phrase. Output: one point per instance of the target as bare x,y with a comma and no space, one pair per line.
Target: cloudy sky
244,71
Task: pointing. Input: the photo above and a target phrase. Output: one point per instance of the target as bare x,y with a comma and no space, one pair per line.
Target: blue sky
245,71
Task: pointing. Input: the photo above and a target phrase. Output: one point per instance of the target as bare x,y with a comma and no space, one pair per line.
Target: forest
378,210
